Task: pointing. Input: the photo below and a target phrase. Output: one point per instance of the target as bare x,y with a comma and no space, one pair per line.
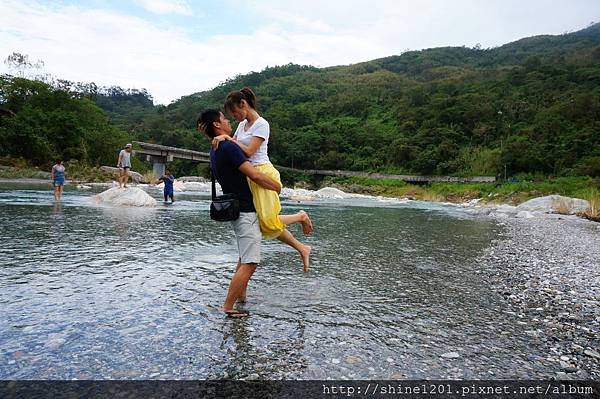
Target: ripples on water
122,293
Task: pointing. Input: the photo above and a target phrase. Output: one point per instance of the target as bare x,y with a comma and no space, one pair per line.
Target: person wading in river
231,167
168,180
58,179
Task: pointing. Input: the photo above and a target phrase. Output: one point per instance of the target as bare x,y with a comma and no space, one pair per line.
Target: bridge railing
170,153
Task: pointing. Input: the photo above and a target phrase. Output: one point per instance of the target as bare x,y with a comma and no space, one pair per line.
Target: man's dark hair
206,119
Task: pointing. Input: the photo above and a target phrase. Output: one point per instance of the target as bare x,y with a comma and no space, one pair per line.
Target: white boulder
197,186
506,209
331,192
554,204
130,196
298,194
524,215
177,186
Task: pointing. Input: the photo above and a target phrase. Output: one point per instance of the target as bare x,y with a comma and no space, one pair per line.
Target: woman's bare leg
304,250
300,217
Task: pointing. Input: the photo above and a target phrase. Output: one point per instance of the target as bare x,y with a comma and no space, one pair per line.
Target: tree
21,63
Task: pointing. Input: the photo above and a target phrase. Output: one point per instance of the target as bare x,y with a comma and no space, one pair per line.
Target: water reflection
123,219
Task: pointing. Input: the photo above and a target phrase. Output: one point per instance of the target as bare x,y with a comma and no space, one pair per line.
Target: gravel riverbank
548,269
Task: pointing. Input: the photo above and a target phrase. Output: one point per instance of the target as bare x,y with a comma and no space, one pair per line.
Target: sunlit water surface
93,292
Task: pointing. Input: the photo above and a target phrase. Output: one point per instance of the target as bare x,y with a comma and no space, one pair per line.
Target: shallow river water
394,291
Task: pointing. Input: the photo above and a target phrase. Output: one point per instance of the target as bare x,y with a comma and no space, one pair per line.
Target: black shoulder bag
224,208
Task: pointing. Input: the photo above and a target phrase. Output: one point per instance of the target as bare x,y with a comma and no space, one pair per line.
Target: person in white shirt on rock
124,165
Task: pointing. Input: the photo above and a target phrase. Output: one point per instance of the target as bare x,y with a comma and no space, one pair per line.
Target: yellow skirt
267,203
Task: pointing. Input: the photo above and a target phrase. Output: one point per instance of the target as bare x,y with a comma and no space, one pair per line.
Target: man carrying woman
252,136
232,170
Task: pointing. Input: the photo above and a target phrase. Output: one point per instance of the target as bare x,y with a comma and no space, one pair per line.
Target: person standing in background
58,179
124,165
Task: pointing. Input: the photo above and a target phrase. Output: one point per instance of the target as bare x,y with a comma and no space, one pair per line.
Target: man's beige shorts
247,234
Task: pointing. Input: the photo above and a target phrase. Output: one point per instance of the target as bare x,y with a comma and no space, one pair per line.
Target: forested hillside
525,107
41,123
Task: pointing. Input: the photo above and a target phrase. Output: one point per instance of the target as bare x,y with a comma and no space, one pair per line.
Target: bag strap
212,180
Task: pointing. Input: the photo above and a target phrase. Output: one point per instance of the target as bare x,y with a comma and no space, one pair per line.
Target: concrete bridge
160,155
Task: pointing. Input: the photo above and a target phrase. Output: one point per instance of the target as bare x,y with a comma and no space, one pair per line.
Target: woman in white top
252,135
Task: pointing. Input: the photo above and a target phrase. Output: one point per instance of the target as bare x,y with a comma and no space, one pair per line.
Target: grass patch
149,178
15,168
593,211
9,172
562,206
85,173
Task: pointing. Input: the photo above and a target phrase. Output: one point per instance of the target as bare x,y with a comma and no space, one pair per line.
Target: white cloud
83,44
166,6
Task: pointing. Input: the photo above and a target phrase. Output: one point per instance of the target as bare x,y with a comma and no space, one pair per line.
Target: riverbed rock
524,215
591,353
546,268
504,211
130,196
193,179
135,176
298,194
451,355
332,192
552,203
352,359
196,186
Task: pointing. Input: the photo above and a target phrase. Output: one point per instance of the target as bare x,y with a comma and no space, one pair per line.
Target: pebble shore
548,270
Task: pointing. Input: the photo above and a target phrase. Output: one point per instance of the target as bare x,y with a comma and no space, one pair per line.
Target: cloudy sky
178,47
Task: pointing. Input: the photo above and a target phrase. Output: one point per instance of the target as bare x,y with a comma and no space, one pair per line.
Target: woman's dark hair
235,98
206,119
58,161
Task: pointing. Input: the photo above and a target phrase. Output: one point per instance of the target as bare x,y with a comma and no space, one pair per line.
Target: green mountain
530,106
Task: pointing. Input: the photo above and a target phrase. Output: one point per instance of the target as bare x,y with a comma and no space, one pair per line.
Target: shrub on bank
593,211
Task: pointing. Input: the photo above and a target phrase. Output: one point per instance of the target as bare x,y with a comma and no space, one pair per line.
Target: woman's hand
218,139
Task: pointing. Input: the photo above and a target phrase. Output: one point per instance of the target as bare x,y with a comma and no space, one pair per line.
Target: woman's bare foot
307,226
305,255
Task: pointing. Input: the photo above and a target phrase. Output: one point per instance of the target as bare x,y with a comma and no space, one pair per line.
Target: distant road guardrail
161,154
406,178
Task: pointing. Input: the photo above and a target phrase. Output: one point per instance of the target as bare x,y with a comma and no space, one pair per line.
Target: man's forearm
259,178
266,182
